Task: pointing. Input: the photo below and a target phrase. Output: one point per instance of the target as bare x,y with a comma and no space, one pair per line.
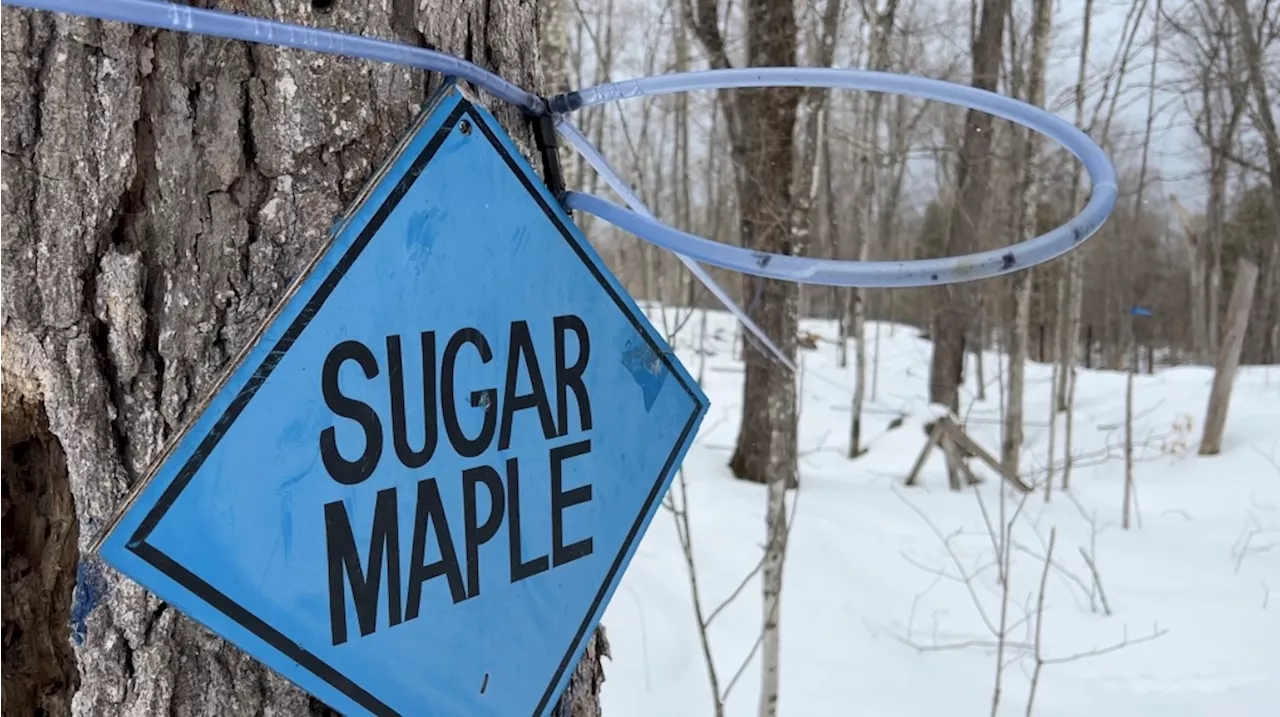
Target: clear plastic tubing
168,16
215,23
617,184
924,272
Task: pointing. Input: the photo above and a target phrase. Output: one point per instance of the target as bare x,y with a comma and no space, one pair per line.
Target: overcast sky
1175,151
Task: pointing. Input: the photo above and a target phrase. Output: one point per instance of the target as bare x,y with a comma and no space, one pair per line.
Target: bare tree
881,24
161,192
1264,117
1028,198
951,315
761,126
1070,286
810,172
1071,292
1132,23
1222,96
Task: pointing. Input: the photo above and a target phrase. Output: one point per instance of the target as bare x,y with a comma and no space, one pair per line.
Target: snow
875,613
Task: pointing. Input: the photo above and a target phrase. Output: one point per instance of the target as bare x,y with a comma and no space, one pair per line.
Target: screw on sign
418,489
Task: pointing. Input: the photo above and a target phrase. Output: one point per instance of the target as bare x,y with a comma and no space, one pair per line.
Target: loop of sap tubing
216,23
165,15
831,272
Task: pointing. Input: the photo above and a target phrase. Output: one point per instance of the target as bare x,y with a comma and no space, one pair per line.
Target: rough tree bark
553,44
161,190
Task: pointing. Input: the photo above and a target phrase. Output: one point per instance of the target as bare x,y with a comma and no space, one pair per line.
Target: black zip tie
544,135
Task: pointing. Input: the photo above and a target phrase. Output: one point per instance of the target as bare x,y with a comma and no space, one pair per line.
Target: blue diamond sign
418,488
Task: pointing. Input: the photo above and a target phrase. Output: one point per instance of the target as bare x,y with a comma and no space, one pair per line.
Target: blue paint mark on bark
91,587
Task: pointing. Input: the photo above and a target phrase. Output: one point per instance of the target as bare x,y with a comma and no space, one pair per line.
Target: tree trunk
881,31
1264,116
1071,288
1197,257
1024,226
1217,210
1227,362
161,191
553,44
832,308
761,128
978,345
1269,309
951,314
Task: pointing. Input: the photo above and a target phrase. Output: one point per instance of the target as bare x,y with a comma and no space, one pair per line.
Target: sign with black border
336,571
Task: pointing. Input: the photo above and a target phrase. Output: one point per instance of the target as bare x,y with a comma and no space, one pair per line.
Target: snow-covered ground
877,617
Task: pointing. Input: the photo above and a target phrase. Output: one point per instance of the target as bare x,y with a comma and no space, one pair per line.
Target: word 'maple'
501,487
